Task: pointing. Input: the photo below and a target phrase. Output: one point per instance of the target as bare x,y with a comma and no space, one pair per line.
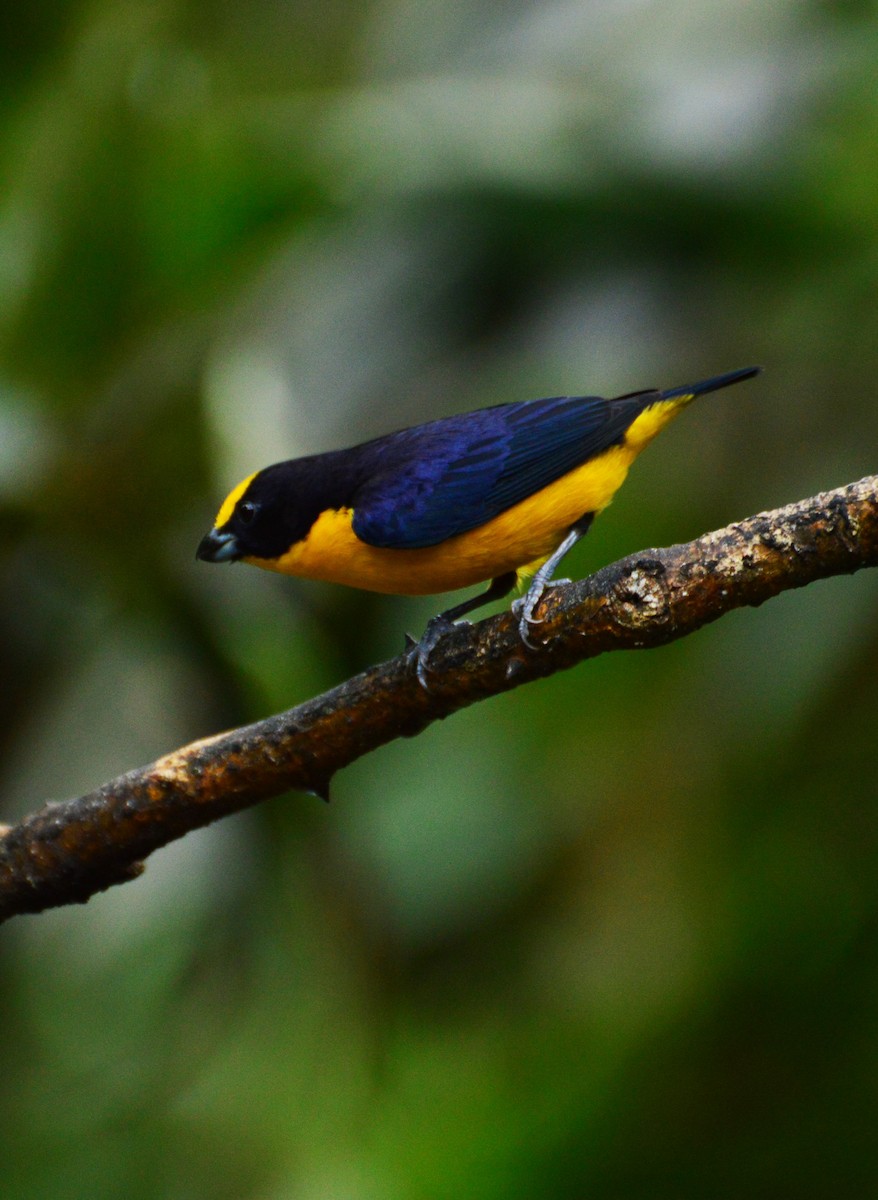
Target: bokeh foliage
613,935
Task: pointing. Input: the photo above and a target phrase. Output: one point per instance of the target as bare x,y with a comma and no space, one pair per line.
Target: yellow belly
519,539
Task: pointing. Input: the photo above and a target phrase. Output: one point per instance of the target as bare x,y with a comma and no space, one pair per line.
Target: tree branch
66,852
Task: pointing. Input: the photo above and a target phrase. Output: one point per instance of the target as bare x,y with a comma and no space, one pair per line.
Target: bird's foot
437,628
525,606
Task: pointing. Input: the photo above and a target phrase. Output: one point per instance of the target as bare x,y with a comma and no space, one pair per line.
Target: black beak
218,547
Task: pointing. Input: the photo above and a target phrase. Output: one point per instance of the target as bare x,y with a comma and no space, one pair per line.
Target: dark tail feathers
712,385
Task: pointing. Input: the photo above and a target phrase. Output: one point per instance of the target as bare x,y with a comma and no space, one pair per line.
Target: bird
499,494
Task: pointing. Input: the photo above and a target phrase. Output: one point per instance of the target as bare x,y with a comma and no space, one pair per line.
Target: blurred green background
613,935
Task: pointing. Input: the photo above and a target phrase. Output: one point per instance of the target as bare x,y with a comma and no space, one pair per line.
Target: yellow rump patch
652,420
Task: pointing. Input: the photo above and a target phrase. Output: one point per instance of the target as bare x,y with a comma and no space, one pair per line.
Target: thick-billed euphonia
496,494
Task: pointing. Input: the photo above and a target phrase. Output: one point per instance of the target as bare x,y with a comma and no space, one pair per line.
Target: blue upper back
426,484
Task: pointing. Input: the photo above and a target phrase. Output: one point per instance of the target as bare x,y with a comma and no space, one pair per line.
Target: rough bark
66,852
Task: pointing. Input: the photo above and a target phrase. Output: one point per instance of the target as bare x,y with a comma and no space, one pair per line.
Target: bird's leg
525,607
443,623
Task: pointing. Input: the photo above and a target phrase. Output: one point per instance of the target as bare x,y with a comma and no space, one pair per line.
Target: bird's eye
246,512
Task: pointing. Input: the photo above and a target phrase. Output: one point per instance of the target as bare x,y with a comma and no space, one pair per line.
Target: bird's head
262,517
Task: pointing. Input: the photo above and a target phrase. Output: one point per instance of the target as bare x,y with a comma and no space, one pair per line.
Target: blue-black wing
431,482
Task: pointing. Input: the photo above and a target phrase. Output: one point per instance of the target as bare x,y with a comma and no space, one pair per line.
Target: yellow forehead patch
228,505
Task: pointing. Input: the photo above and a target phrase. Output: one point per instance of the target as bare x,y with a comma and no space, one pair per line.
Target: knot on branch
642,598
843,523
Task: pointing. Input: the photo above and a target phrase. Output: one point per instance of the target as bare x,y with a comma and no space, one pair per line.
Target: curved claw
524,624
437,629
524,609
523,634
